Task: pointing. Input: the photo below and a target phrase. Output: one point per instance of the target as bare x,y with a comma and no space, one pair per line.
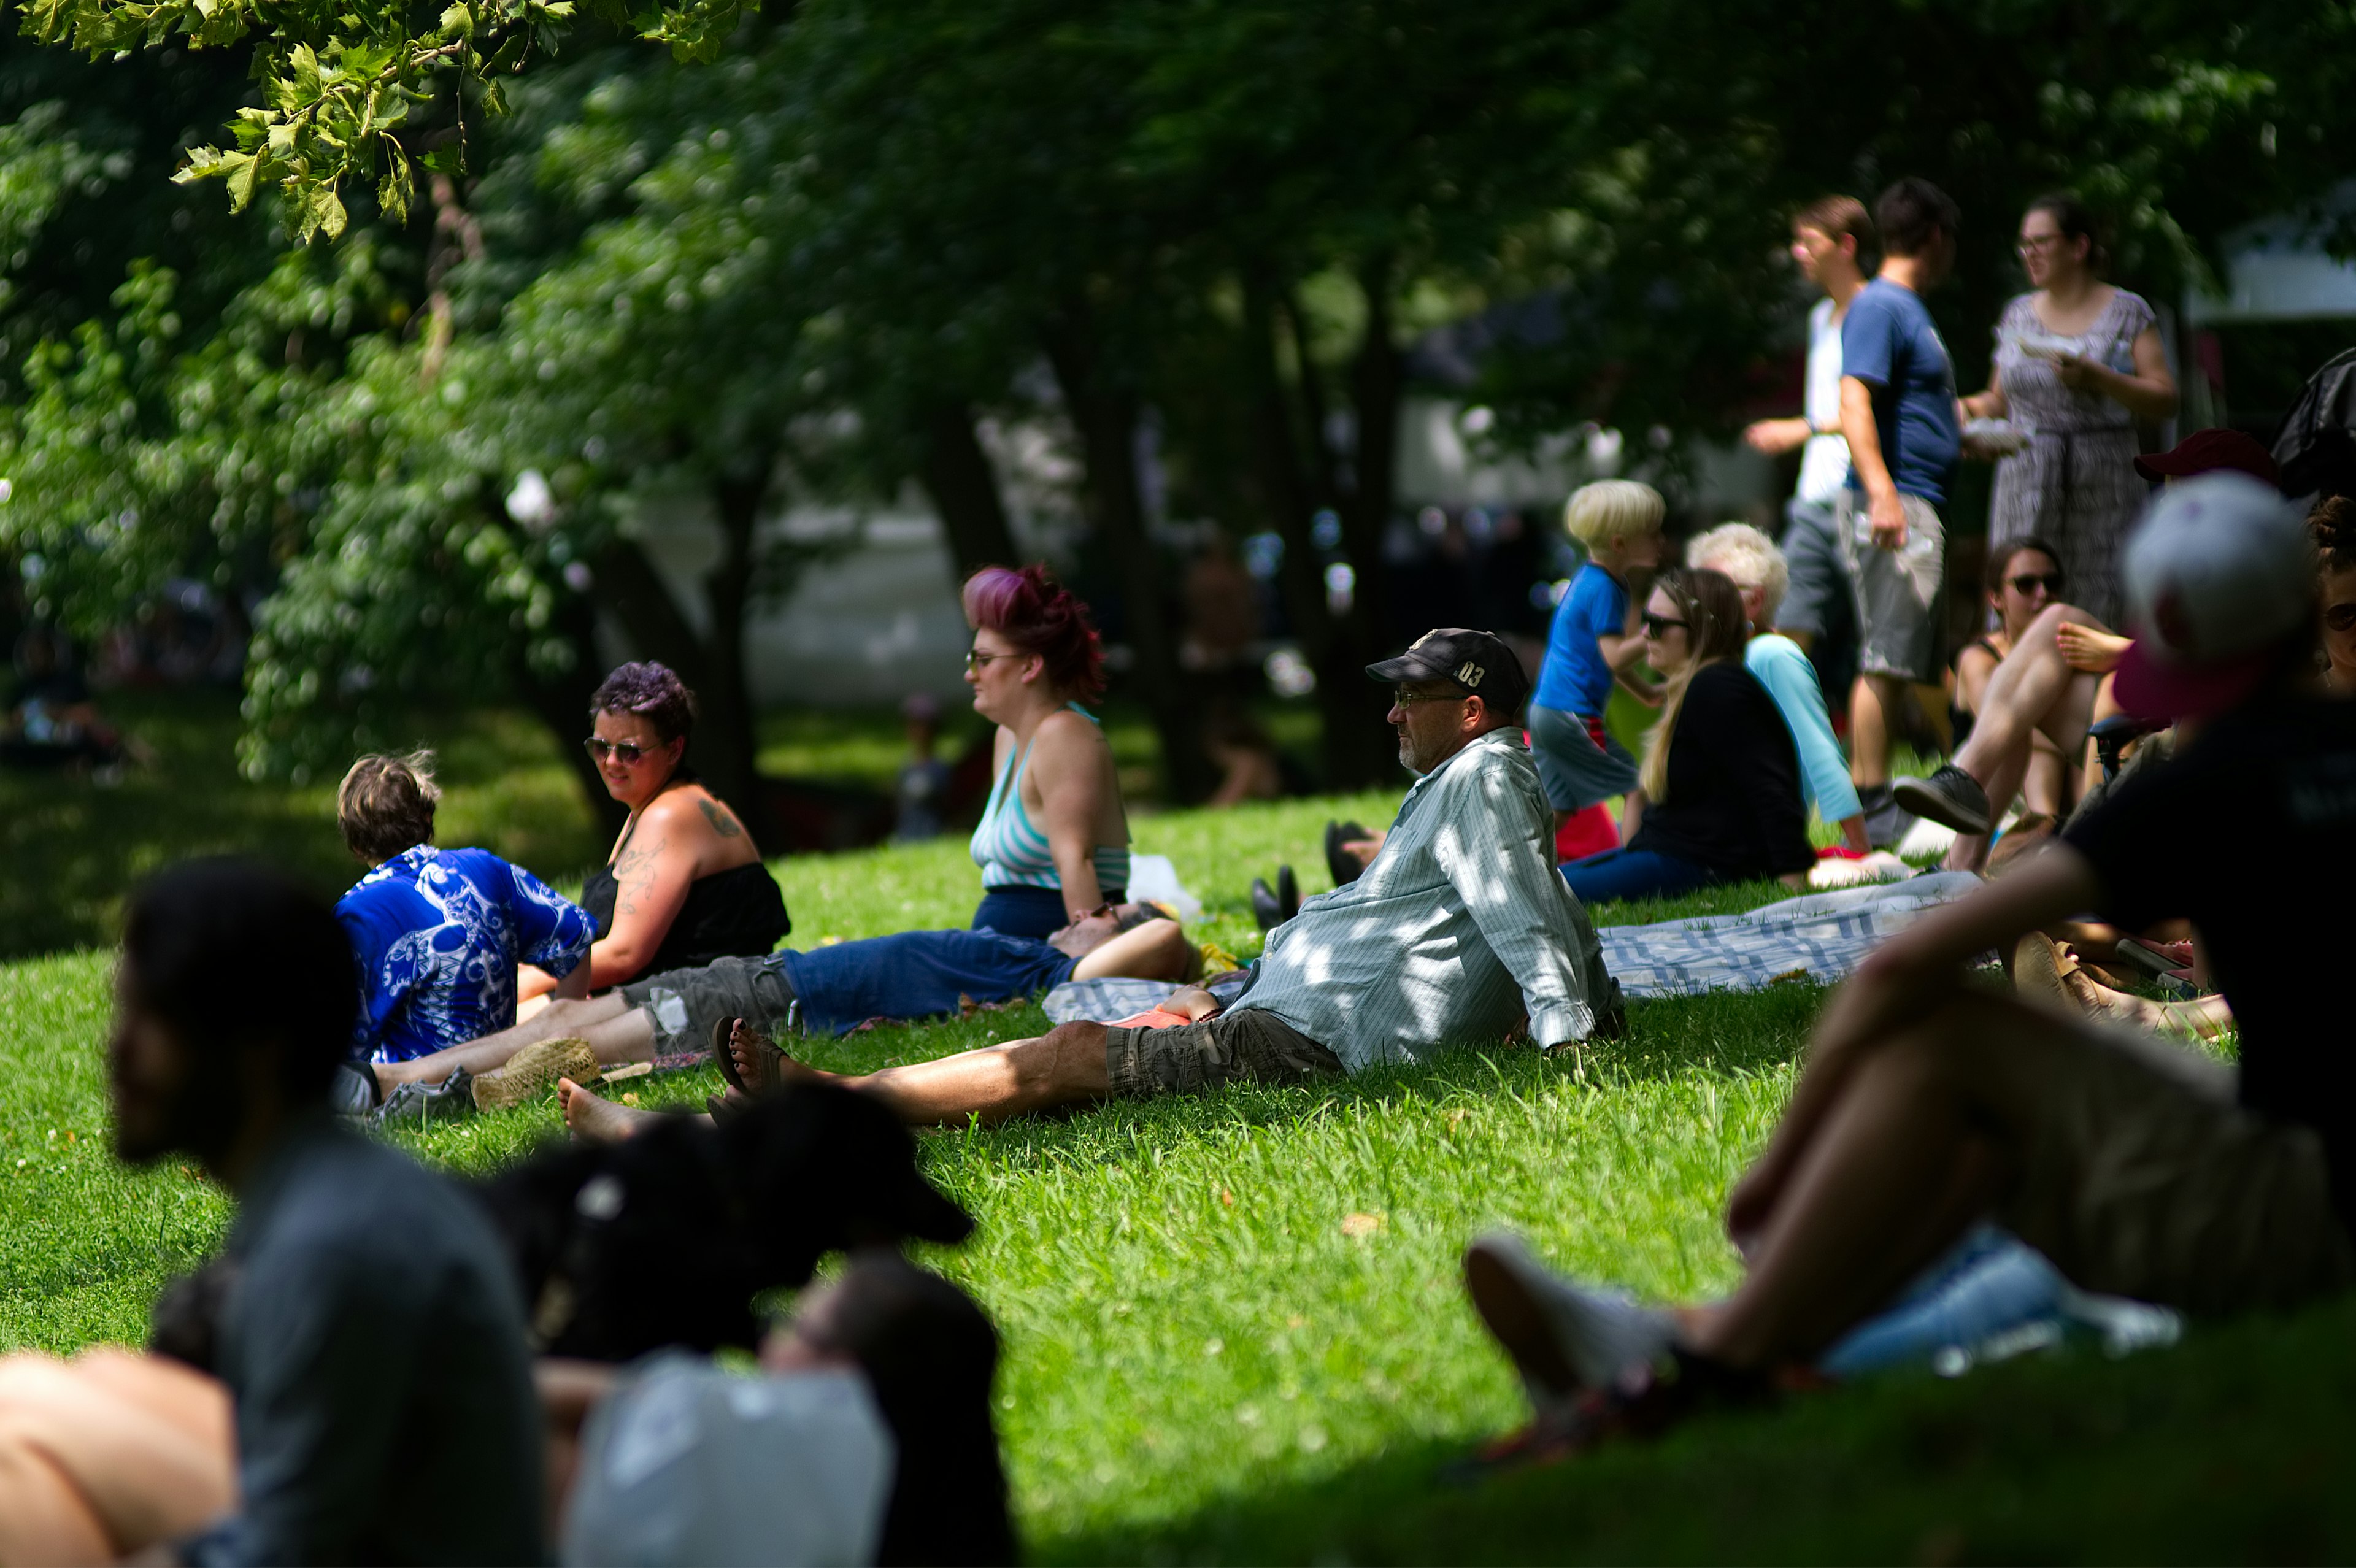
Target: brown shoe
533,1070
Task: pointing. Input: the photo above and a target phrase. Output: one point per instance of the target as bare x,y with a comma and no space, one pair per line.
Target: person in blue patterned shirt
438,932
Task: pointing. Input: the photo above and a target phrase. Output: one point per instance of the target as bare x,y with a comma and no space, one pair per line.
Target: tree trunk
1106,414
964,487
561,701
730,749
1356,746
627,584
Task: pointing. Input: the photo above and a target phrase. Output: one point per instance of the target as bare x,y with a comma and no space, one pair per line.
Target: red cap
2208,451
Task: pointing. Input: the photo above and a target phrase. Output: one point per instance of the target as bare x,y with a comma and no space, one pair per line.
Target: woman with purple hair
1054,840
685,884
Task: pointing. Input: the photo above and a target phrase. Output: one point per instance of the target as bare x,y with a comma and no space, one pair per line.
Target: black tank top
735,913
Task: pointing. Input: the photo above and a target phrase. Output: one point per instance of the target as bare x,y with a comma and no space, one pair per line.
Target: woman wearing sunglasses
1054,839
2023,577
1718,797
684,884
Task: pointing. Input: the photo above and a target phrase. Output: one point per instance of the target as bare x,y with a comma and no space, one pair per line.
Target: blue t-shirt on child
437,934
1574,678
915,974
1888,342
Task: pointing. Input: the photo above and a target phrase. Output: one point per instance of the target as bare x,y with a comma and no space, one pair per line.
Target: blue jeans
1633,874
1035,913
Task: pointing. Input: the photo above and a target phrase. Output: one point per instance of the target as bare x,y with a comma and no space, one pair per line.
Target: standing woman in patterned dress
2078,362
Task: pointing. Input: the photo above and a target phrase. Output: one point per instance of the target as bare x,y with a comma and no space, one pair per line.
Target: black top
2283,771
734,914
1734,802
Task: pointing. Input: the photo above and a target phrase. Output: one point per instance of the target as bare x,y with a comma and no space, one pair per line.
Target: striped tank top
1010,849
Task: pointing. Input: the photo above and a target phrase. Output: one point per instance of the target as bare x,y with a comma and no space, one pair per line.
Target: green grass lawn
1233,1324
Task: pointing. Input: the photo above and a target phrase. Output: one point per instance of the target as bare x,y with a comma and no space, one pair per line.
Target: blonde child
1594,643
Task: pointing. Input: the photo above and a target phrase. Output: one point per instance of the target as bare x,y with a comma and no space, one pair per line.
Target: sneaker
530,1072
423,1104
1565,1339
1949,796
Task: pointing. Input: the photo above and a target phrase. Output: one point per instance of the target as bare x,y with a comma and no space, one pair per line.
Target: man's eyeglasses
1656,624
2341,617
629,751
2030,582
975,658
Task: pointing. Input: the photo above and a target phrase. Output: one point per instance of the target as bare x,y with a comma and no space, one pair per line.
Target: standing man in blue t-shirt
1898,415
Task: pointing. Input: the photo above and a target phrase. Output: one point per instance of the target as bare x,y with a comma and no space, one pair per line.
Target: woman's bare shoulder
689,814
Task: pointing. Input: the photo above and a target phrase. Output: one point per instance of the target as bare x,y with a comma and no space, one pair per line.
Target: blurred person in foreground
1830,238
1460,930
1929,1104
371,1334
439,933
1898,415
1052,843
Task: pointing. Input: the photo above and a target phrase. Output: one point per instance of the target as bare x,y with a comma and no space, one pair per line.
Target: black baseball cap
1480,662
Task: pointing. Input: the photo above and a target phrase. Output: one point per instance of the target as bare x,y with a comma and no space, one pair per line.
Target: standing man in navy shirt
1898,414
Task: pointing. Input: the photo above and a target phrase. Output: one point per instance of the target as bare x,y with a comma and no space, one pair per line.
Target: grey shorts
1576,771
1897,592
687,1005
1244,1043
1818,598
2143,1178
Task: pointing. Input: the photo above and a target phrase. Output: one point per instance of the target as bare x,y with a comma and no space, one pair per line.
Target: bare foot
764,1068
593,1120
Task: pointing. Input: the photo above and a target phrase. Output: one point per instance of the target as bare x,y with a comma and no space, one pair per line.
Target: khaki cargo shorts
2142,1178
1243,1043
1896,590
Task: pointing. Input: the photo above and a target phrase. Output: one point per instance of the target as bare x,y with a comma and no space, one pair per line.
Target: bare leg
994,1084
2034,689
615,1030
592,1119
1900,1168
2045,786
1873,702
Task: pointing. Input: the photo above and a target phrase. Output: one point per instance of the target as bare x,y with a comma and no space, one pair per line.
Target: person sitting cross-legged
1460,931
1928,1103
908,975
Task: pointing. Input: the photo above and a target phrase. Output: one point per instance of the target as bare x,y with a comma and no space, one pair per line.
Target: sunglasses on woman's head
629,751
2030,582
2341,617
1656,624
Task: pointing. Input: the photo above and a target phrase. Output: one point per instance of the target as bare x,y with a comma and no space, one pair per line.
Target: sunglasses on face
2341,617
975,658
627,751
2030,582
1655,625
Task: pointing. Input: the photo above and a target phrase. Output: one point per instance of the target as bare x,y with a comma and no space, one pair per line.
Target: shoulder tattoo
722,822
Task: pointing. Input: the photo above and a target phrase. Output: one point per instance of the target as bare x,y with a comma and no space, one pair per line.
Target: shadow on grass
2233,1447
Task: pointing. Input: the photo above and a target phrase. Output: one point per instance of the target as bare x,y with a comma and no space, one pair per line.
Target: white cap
2217,574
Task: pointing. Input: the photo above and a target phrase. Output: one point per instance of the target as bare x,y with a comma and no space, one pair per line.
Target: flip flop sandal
725,1058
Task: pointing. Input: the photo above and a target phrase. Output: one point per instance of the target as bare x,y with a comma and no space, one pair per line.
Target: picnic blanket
1817,937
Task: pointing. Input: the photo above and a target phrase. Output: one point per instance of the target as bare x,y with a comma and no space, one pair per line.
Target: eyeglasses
2341,617
975,658
2030,582
2029,244
1656,624
1409,698
629,751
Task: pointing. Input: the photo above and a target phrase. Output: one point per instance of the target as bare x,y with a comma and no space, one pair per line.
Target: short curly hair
1039,615
652,693
385,805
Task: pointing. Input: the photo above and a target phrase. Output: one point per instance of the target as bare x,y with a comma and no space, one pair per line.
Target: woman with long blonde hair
1718,796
